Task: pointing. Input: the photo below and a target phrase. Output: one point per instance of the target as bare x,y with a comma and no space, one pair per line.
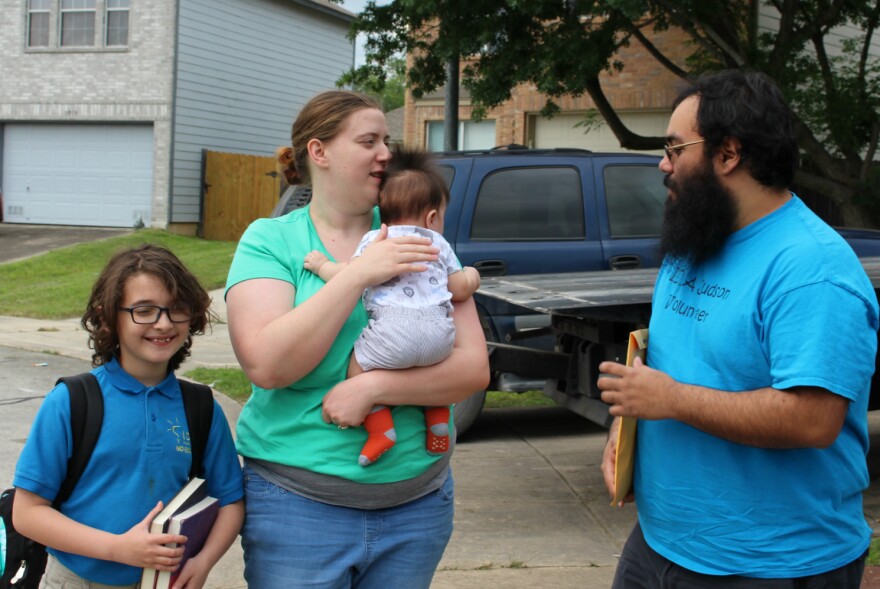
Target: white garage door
90,175
560,131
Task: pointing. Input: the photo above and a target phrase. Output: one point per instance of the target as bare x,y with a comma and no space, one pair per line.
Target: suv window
537,203
448,174
636,197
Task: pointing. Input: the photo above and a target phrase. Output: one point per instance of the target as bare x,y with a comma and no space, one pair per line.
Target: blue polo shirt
143,456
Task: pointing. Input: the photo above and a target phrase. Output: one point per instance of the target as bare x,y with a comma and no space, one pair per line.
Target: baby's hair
412,186
100,317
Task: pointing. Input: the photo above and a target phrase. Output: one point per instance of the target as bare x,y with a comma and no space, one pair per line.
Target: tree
562,47
386,83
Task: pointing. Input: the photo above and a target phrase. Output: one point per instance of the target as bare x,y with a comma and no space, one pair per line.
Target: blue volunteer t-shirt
786,304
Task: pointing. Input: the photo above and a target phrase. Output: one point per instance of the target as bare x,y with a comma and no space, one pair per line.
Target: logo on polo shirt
180,432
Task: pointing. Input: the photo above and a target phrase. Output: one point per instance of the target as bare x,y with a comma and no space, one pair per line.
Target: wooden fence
237,189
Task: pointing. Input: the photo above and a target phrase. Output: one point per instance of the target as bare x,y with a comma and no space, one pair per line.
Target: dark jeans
640,567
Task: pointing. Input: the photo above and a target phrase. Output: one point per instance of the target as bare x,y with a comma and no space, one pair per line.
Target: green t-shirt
284,425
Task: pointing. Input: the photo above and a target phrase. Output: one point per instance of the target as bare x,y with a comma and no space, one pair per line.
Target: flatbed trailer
591,315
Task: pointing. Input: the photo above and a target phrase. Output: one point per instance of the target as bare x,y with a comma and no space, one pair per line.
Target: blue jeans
291,542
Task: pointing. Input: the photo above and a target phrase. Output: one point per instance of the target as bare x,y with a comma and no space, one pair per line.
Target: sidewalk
531,508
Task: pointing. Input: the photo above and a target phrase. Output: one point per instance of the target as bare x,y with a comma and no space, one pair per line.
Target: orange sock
437,420
380,435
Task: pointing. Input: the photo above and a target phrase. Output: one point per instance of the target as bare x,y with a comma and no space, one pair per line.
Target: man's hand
608,470
637,391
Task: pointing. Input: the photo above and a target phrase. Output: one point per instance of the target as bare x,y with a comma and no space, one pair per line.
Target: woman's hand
387,257
348,403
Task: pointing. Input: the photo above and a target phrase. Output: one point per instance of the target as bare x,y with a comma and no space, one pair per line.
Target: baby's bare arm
464,284
321,265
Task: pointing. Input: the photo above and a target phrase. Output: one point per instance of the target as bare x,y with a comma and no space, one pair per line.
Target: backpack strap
86,417
198,403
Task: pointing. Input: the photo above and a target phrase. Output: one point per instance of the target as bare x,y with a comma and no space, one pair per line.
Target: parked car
517,211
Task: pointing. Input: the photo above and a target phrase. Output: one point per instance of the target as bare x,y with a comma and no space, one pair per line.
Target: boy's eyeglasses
149,314
671,150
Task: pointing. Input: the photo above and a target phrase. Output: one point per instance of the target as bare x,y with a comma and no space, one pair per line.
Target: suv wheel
466,412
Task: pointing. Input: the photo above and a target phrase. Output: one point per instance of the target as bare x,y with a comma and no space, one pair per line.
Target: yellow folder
624,457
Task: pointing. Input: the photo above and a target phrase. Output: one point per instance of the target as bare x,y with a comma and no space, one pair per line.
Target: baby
410,323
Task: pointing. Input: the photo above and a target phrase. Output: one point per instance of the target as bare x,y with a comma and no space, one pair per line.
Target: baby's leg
353,367
437,420
379,424
381,436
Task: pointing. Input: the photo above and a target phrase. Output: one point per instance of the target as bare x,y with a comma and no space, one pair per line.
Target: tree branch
636,31
830,96
628,139
704,34
838,193
784,35
868,163
818,154
870,27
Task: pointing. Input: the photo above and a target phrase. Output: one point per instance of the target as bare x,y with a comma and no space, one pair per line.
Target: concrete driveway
19,241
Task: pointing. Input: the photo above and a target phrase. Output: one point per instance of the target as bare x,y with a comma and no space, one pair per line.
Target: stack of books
190,513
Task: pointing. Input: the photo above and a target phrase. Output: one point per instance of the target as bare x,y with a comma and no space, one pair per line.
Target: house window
77,23
38,23
117,23
471,135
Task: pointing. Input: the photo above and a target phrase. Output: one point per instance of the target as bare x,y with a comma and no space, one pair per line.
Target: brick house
642,95
106,105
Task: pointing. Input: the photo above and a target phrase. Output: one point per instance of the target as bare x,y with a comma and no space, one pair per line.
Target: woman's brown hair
100,317
321,118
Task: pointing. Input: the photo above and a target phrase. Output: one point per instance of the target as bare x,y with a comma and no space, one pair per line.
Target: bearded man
752,407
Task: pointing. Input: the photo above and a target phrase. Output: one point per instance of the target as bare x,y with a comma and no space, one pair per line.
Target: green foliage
874,552
562,47
503,400
831,114
56,285
592,121
386,85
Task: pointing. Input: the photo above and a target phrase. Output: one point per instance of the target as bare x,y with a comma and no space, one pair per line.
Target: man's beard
698,221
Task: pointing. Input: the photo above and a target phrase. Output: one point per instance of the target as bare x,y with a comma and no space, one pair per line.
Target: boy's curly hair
100,319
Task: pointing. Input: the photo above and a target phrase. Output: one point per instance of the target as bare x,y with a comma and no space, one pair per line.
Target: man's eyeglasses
149,314
671,150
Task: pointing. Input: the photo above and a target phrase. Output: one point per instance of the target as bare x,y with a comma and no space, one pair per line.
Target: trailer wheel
466,412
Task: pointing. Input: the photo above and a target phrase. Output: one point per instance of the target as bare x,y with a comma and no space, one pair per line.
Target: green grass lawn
234,384
874,554
56,285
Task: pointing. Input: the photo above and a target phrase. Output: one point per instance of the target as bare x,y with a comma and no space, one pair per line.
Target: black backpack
25,559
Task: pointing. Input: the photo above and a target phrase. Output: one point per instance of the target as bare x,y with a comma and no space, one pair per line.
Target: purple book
195,523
